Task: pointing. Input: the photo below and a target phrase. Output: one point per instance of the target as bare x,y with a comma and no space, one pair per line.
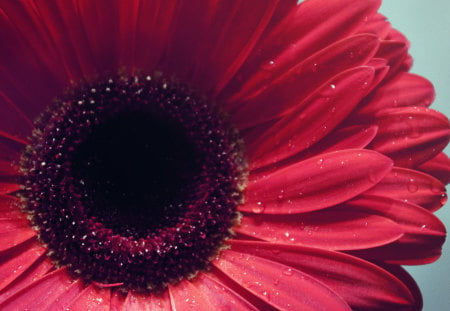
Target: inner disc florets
133,181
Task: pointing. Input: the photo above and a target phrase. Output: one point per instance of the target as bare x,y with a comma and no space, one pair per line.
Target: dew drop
413,129
258,208
268,66
288,272
443,198
320,162
412,186
266,294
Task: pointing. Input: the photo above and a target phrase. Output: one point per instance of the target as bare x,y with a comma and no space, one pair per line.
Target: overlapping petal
375,288
315,183
326,107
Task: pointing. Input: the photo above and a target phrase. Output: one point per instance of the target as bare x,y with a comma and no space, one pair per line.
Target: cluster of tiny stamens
133,182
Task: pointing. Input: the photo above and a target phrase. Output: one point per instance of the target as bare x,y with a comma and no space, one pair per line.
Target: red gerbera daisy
232,155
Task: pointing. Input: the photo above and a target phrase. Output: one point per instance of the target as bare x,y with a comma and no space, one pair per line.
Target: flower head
193,154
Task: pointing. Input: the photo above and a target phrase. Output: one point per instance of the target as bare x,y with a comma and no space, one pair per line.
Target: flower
304,120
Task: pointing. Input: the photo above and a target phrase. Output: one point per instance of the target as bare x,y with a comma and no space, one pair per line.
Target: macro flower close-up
214,155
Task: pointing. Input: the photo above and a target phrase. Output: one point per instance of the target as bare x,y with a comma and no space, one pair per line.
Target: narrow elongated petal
421,229
310,73
362,284
7,188
411,135
205,293
280,286
15,263
14,233
40,294
335,229
316,183
313,119
406,89
300,35
413,187
136,301
92,298
63,300
438,167
395,52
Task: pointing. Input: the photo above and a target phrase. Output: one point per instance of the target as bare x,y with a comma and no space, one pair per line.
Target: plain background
427,26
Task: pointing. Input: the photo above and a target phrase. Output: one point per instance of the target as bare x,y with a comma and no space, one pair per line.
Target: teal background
427,26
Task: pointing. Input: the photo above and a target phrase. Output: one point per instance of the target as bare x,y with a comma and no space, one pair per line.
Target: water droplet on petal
443,198
412,186
288,272
413,129
268,66
258,208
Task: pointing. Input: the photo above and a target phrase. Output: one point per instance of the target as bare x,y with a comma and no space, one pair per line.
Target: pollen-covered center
133,182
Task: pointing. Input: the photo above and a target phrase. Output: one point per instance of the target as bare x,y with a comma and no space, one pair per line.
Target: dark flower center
133,181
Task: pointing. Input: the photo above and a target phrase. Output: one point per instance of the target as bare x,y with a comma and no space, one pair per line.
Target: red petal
395,52
18,234
413,218
7,188
40,294
329,229
409,281
413,187
361,284
15,262
376,24
31,74
8,169
318,115
41,267
7,152
438,167
406,89
424,233
402,253
10,207
352,137
92,298
204,293
241,36
12,119
310,27
154,22
411,136
118,301
221,295
147,302
315,183
210,40
310,74
62,301
69,37
279,285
